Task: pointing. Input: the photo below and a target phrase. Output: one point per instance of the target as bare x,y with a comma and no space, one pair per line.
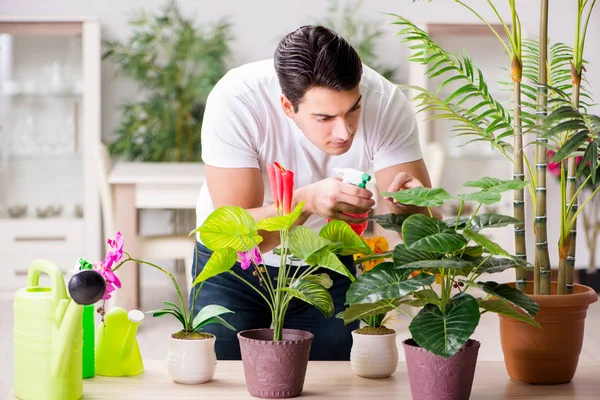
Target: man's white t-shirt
244,126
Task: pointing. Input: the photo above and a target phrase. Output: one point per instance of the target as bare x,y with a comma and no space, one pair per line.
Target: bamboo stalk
542,267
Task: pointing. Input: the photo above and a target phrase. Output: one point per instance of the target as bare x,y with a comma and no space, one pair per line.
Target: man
313,108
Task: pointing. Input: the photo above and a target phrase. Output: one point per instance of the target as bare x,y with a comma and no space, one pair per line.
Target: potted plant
275,360
441,355
191,358
556,118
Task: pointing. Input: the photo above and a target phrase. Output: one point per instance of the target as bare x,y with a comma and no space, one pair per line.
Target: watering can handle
56,276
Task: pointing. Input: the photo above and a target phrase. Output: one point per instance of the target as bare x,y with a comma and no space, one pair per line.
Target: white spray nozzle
353,176
136,316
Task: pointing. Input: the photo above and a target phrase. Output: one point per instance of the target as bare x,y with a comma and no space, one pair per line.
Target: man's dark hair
314,56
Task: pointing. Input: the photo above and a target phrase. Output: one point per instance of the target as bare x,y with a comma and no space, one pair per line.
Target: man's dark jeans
332,339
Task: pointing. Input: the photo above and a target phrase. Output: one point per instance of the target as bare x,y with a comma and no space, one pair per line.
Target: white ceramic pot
192,361
374,356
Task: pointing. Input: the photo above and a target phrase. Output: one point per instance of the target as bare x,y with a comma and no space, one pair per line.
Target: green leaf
322,279
313,293
207,315
304,242
481,197
434,266
360,311
495,265
164,311
496,185
566,126
281,222
325,258
221,260
443,334
571,146
229,227
501,307
462,223
425,296
429,234
420,196
403,255
482,221
489,245
590,156
340,233
385,282
218,320
391,222
512,295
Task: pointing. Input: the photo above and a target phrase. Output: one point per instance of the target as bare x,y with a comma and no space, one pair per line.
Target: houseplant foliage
231,232
435,268
549,105
175,64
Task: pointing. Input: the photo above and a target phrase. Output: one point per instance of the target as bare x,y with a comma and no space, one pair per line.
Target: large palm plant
568,130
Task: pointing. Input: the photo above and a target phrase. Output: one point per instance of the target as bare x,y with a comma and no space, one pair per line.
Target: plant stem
490,26
542,272
462,203
254,288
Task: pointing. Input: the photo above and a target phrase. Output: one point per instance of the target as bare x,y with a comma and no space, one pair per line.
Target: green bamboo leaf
281,222
312,293
391,222
206,315
590,156
429,234
385,282
347,241
486,198
566,126
360,311
570,146
492,247
304,242
444,334
221,260
403,255
420,196
512,295
229,227
501,307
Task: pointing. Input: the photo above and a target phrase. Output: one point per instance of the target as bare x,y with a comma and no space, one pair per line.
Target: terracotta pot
192,361
547,355
432,377
275,370
374,356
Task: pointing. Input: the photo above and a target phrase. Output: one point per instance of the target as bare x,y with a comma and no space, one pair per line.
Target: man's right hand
330,198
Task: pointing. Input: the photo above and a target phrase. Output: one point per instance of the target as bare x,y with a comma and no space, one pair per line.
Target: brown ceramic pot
547,355
275,370
433,377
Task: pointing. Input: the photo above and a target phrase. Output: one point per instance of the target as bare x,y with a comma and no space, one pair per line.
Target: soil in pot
183,335
375,330
275,369
374,353
433,377
550,354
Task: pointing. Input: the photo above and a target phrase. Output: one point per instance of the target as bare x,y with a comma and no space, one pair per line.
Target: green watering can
48,332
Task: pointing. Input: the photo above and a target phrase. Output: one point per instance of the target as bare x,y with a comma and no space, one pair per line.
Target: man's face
329,119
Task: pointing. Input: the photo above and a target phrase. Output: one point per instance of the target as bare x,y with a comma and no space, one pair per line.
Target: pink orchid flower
554,168
113,256
247,258
282,187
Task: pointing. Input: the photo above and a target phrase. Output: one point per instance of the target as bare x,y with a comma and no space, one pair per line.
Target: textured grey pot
433,377
275,370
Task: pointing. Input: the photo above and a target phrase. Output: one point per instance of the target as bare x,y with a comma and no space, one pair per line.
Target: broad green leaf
403,255
452,224
207,313
491,221
571,146
486,198
380,256
281,222
391,222
385,282
489,245
221,260
473,251
512,295
322,279
501,307
340,233
164,311
304,242
325,258
429,234
496,185
434,266
494,265
420,196
229,227
217,320
423,297
443,334
313,293
360,311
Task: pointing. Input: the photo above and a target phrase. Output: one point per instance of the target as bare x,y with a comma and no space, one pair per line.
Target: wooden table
146,186
335,380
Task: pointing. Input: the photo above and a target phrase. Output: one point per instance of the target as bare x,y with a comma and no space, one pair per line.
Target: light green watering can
48,332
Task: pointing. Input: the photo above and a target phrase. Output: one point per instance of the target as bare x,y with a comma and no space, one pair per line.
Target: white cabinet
49,133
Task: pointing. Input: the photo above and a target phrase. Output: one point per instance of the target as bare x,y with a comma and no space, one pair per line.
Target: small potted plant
441,355
191,358
275,360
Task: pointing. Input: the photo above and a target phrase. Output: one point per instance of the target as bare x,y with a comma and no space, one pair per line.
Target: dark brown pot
433,377
547,355
275,370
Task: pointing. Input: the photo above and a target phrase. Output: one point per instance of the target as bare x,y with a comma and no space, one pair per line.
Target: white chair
172,247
